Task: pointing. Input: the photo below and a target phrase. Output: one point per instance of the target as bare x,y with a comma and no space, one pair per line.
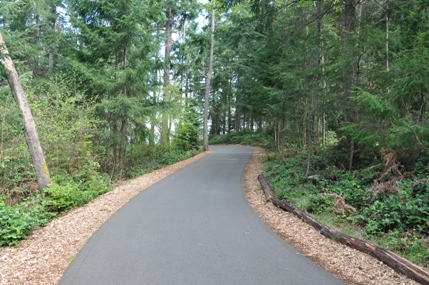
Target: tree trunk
36,67
351,69
34,146
229,108
124,120
350,73
324,129
53,27
208,80
167,66
309,144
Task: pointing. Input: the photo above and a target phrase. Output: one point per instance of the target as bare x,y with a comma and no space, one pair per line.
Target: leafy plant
17,221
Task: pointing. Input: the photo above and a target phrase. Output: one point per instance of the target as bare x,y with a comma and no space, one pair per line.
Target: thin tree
165,132
208,80
36,151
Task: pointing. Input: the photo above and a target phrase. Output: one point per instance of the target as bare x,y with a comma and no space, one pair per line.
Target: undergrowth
392,212
250,138
67,192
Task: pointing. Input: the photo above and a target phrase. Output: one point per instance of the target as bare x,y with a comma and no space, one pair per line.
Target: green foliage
253,139
409,244
188,131
70,192
15,164
17,221
142,159
319,204
66,193
66,126
402,217
404,211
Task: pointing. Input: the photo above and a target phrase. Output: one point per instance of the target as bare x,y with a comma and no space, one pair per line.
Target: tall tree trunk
154,102
282,133
309,141
34,146
124,119
229,96
115,145
324,129
53,31
167,67
152,122
387,37
36,67
229,119
208,80
319,68
350,76
351,69
154,111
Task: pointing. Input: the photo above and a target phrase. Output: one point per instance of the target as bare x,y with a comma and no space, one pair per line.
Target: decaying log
396,262
268,191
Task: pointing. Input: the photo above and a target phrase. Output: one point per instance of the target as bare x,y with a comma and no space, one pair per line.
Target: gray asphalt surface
193,227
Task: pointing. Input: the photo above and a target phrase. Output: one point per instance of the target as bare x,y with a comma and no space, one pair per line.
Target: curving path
193,227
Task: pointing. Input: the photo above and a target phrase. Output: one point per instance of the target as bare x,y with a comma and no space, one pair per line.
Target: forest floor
44,257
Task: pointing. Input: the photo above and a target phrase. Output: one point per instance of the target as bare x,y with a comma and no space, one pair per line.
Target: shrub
71,193
17,221
254,139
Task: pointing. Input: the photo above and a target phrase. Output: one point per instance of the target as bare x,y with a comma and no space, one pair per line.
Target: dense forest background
338,89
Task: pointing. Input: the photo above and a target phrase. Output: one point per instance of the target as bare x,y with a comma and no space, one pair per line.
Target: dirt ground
44,257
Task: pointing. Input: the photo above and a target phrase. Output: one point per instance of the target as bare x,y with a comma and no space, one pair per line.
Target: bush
399,212
188,132
142,158
17,221
66,127
254,139
74,192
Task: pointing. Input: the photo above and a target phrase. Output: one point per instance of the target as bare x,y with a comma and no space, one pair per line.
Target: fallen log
268,191
394,261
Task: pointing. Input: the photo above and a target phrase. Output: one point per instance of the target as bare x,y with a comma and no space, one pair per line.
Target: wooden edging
396,262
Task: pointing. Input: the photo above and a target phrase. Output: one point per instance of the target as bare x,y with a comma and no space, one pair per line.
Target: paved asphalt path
193,227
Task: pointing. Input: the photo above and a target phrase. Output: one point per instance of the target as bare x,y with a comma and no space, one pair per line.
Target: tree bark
167,66
351,69
34,146
53,31
207,91
36,67
124,120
